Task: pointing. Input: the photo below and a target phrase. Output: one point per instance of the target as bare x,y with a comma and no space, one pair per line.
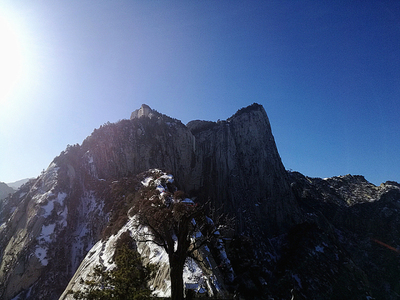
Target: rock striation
239,168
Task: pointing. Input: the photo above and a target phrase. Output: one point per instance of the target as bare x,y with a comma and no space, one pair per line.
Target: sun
10,60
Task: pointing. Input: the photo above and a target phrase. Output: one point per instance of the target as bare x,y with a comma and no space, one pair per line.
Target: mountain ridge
291,230
16,184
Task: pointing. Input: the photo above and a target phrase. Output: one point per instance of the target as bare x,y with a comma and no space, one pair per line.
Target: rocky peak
143,111
239,168
253,108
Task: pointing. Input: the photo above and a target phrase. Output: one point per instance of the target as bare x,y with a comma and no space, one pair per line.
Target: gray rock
239,168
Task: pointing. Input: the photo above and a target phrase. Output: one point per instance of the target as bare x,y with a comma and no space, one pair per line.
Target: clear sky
326,72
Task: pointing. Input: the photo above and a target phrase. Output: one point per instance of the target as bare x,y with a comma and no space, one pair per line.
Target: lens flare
386,245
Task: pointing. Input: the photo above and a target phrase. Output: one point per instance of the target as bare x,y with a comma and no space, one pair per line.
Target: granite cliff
238,166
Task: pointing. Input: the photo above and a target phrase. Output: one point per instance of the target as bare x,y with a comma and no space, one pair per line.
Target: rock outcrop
239,168
143,111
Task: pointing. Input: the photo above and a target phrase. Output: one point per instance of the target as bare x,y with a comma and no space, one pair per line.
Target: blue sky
326,72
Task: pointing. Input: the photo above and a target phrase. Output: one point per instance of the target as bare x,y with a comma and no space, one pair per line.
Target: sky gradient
326,72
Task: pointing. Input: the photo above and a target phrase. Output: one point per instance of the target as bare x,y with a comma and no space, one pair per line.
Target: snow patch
46,234
41,255
147,181
103,251
158,181
48,208
89,208
47,231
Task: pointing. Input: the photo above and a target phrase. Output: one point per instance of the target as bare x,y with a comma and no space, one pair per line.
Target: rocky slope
349,242
45,233
205,267
295,237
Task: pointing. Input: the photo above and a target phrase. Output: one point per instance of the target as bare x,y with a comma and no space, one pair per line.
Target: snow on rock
147,181
48,179
41,254
49,206
90,208
102,254
37,214
47,233
90,163
200,278
158,181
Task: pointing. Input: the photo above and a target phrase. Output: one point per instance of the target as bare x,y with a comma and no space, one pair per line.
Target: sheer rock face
149,140
239,168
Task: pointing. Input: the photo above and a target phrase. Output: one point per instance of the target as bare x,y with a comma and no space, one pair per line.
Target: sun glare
10,60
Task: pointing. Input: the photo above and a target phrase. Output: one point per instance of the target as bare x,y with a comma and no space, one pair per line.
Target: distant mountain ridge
5,190
15,185
294,237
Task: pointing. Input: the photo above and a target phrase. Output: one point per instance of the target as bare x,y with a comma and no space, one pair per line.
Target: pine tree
127,281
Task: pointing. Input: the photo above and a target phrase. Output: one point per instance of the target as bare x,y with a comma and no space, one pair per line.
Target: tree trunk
176,273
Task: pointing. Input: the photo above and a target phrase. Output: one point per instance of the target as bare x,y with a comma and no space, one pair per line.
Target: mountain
5,190
294,237
16,185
